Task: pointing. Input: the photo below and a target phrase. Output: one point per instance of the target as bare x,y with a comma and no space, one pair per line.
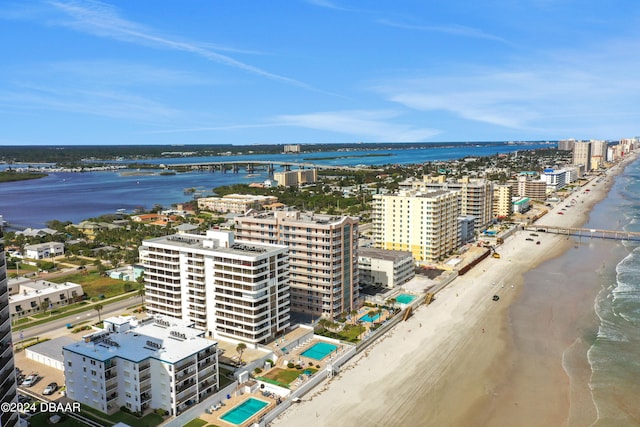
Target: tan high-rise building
323,257
424,223
476,195
502,206
582,154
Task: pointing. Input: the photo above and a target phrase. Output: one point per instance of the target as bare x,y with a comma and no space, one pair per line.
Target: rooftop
383,254
165,339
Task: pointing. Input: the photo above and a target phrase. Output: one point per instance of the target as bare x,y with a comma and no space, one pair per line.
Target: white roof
165,339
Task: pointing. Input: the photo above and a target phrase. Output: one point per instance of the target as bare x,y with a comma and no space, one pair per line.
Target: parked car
50,389
30,380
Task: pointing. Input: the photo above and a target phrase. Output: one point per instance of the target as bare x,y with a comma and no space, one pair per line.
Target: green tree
240,349
98,308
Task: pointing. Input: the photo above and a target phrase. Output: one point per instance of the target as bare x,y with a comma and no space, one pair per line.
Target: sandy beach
453,363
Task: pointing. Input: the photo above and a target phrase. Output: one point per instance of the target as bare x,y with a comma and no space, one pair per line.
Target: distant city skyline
80,72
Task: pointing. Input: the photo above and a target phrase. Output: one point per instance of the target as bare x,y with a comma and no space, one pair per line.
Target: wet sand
465,361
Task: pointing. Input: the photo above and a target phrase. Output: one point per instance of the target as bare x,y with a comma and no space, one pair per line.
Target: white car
30,380
50,389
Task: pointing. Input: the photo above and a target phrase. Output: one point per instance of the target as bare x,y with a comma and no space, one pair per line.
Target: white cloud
454,29
100,19
366,125
555,92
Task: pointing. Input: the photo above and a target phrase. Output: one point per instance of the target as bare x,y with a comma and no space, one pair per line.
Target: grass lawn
285,376
149,420
42,419
224,381
196,423
95,285
60,310
349,333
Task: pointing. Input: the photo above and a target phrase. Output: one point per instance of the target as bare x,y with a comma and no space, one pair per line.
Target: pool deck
214,417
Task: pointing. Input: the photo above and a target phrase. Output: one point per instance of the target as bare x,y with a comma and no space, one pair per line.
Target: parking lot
47,375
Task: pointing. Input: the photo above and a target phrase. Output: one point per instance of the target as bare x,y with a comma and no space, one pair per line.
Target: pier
586,232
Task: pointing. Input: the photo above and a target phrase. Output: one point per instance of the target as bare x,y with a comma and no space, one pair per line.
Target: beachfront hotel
8,389
476,195
154,363
231,289
425,223
323,257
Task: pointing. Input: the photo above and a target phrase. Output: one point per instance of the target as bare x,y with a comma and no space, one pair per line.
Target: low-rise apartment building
388,269
155,363
30,297
44,250
235,203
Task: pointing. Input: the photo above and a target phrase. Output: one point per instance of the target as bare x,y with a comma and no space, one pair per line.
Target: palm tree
98,308
141,294
240,349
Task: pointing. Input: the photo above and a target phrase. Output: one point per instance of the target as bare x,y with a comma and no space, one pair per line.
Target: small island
11,175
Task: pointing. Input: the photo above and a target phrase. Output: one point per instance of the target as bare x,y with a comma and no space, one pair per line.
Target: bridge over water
253,165
586,232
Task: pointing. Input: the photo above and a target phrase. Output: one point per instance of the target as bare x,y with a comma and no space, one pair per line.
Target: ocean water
614,354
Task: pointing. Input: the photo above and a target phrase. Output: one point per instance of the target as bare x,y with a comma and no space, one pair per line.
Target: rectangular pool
367,318
244,411
319,350
405,298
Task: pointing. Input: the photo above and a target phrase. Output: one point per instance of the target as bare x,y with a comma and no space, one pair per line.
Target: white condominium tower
423,223
7,367
323,257
233,289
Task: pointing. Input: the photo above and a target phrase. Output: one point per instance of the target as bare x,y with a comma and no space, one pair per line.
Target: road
59,325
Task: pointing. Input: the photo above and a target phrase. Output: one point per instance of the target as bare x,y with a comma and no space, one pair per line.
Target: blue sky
317,71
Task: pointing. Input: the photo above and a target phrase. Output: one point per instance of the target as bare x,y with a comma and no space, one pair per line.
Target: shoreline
448,364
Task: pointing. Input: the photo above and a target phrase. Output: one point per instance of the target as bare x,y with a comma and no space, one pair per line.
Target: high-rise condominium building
231,289
323,257
582,154
502,206
424,223
8,391
476,195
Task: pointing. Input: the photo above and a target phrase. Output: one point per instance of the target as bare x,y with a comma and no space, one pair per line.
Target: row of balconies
163,309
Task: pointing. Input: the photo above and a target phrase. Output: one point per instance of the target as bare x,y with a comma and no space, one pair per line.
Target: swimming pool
405,298
319,350
367,318
244,411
